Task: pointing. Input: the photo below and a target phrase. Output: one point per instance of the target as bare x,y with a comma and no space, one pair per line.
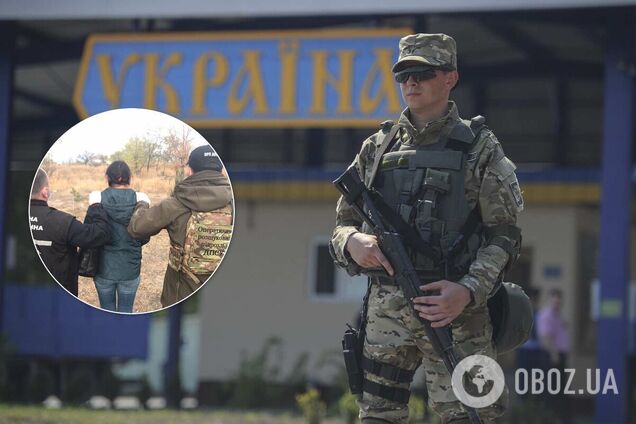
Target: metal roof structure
547,67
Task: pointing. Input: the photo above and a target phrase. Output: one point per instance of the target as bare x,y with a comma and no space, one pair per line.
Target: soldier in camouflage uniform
198,218
436,172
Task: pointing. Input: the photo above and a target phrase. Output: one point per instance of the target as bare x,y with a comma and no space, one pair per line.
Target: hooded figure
198,218
119,267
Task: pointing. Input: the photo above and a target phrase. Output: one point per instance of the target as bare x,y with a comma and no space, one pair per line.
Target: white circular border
492,370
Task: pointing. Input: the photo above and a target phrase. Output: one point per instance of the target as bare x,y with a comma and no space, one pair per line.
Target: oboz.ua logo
478,381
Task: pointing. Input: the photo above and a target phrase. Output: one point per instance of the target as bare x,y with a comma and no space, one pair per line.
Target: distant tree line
145,151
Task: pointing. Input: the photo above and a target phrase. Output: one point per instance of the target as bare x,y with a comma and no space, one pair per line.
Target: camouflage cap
437,50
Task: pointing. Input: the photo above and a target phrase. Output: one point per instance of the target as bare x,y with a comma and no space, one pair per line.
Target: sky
107,132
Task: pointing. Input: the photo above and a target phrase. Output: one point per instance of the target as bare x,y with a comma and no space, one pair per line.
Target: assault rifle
360,198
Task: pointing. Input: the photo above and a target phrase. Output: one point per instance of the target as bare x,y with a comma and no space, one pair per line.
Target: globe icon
477,382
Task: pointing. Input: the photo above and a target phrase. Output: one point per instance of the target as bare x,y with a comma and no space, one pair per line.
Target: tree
140,152
133,153
178,146
153,145
100,160
85,157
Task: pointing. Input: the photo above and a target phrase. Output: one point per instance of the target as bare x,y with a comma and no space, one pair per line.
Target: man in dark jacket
57,234
198,218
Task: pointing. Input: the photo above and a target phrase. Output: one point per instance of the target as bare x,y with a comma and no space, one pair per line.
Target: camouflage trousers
395,336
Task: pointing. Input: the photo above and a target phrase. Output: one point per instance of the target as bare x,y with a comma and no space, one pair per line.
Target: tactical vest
49,228
424,186
207,237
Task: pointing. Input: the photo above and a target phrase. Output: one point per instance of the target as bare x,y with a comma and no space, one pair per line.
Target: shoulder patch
516,193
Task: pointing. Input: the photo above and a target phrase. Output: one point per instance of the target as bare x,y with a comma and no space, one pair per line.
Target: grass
12,414
159,179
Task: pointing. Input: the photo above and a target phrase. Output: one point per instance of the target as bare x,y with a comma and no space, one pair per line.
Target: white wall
261,288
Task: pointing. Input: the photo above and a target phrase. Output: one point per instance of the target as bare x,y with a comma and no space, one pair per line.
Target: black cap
204,157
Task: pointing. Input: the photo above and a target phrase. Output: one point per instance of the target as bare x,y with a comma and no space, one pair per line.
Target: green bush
348,407
77,196
251,385
312,407
416,409
259,383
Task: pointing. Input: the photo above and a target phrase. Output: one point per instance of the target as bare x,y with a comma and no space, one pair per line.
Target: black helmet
511,316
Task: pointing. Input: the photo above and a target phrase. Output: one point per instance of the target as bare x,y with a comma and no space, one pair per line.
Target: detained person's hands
94,197
443,308
364,250
143,197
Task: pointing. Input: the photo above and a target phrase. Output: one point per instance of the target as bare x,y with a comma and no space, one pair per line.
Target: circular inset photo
131,211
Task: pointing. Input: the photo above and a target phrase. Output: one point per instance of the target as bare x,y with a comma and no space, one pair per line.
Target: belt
384,281
391,281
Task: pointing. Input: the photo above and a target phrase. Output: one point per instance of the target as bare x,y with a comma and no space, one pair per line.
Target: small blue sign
552,271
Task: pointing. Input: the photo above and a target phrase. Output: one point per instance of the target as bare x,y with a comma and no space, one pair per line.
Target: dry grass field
71,185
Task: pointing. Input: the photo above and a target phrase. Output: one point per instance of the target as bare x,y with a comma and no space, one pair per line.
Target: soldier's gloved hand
364,250
442,309
94,197
143,197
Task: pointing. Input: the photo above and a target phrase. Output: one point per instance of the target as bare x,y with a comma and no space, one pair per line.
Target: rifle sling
388,138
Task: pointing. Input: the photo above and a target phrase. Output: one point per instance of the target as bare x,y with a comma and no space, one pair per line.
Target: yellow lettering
288,59
155,78
112,86
322,77
250,71
381,69
201,84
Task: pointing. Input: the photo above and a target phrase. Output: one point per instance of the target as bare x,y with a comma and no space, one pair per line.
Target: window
327,282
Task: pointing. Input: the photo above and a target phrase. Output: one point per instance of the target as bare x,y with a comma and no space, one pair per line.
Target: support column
7,41
172,375
612,348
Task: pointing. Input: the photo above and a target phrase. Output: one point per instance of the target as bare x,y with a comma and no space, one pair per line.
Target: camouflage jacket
202,192
490,182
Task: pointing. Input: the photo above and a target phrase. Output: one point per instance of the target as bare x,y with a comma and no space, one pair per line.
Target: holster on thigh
389,372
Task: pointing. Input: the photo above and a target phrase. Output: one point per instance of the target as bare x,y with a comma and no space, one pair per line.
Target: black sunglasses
419,73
